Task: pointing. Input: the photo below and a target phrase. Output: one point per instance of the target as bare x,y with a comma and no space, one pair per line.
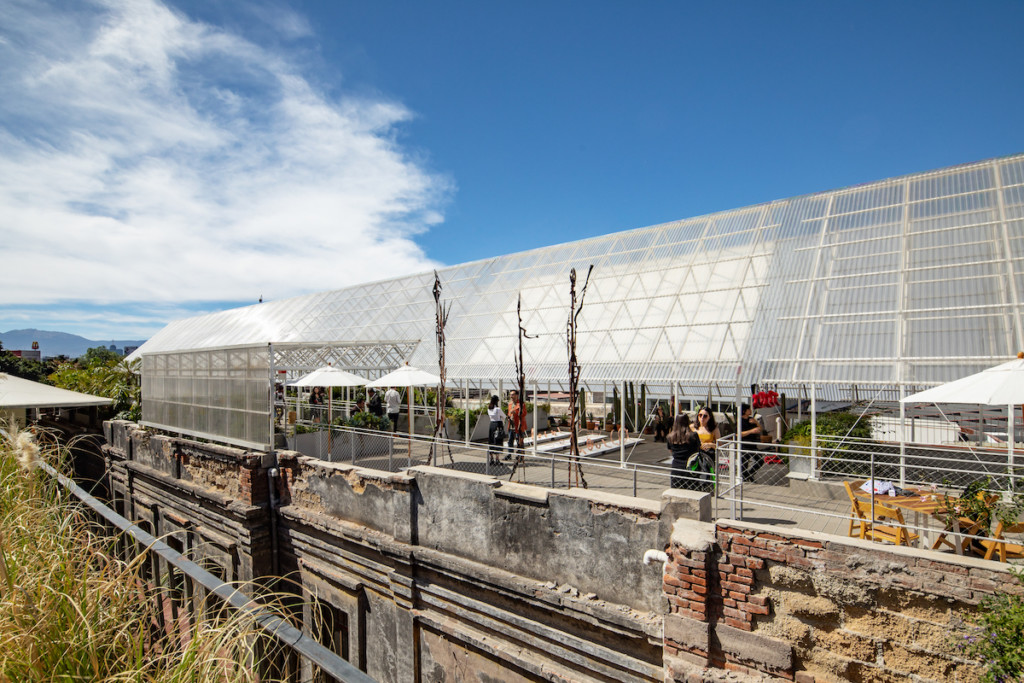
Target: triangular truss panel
888,283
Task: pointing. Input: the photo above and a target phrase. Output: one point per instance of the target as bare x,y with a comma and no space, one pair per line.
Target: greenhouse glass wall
883,288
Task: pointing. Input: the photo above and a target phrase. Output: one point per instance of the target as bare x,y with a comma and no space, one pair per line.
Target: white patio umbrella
407,376
329,376
1002,385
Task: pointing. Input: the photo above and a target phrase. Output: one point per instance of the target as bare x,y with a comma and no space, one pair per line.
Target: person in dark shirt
686,456
375,405
750,439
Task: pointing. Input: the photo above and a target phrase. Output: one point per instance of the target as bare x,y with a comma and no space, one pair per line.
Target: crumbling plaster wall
491,580
813,608
429,574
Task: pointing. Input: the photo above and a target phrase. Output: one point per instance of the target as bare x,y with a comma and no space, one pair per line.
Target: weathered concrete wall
465,577
440,575
428,575
813,607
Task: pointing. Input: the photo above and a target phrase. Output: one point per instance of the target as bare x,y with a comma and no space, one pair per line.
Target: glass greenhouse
879,289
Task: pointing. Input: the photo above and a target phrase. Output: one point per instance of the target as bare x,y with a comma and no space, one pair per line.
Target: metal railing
299,644
546,464
803,485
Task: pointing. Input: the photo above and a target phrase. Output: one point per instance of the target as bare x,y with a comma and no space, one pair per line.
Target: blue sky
163,159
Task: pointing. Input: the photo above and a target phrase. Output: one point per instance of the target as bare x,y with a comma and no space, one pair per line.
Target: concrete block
764,654
693,535
687,632
682,504
522,492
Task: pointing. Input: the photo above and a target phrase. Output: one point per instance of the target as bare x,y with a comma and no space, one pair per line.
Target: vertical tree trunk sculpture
521,384
441,312
575,308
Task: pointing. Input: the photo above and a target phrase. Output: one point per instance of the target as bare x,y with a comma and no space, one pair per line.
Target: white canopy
1001,385
406,376
16,392
329,376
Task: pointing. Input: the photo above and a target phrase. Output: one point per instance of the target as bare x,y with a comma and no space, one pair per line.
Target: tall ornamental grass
70,610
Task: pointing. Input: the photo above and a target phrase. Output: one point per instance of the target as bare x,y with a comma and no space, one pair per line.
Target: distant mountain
59,343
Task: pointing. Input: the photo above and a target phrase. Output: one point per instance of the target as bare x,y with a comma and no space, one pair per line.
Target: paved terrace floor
646,476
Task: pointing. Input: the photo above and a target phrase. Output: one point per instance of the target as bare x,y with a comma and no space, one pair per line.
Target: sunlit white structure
887,287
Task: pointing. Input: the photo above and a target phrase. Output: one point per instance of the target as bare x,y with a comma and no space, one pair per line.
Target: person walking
516,424
496,431
393,401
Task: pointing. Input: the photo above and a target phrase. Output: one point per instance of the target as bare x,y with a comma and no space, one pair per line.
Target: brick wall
811,607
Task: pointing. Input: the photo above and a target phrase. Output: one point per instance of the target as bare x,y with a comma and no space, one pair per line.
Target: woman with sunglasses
707,431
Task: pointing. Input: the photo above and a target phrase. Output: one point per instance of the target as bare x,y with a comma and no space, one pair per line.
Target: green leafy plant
976,504
993,635
365,420
833,430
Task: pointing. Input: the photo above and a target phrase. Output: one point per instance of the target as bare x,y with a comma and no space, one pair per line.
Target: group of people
496,433
693,446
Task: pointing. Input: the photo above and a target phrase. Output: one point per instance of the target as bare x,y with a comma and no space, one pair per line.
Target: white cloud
145,156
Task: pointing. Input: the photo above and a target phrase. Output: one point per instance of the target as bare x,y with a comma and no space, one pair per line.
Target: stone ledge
523,492
688,632
429,470
762,652
642,506
830,541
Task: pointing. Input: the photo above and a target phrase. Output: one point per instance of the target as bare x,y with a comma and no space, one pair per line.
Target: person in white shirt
495,434
394,404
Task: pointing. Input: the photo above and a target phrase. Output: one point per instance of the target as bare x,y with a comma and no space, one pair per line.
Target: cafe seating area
913,517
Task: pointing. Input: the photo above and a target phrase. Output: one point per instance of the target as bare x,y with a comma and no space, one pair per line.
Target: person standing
684,445
661,424
496,431
707,432
516,424
373,404
750,439
393,401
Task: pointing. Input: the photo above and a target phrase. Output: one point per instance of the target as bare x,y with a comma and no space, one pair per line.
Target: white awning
16,392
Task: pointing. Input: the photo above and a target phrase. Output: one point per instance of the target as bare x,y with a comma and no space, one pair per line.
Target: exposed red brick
738,623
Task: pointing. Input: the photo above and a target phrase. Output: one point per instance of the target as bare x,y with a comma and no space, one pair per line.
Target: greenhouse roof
908,281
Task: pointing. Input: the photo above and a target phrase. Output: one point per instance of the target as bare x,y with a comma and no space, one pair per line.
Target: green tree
25,368
114,378
99,355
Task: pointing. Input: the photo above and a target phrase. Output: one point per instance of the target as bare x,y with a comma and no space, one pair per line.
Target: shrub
365,420
993,636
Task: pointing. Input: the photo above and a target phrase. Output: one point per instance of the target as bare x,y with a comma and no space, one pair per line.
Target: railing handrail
328,661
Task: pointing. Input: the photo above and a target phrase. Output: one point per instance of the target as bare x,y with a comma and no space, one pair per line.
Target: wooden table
920,502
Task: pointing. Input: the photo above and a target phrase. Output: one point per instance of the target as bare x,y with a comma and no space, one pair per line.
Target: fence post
814,433
903,441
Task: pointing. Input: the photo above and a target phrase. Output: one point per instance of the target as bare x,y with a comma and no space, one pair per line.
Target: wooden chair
1000,545
859,523
968,527
896,533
